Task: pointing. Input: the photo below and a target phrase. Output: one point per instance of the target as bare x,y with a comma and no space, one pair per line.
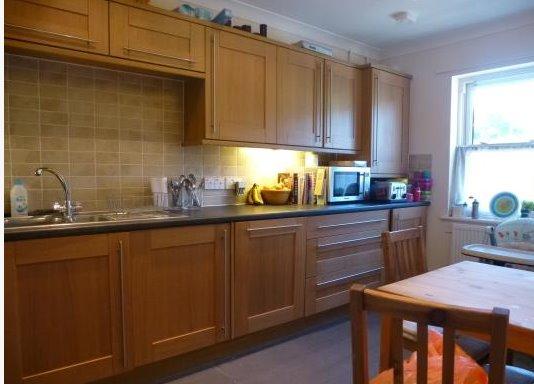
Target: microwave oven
347,184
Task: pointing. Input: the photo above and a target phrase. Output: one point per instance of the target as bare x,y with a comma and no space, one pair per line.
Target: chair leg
385,343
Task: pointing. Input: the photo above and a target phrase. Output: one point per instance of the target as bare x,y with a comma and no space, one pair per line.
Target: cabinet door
63,309
152,37
390,123
75,24
179,291
245,89
406,218
343,107
299,99
268,282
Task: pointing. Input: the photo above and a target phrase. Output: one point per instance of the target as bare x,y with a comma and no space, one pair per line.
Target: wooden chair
404,254
404,257
493,323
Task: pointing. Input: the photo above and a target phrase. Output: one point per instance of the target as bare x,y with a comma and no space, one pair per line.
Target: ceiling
368,21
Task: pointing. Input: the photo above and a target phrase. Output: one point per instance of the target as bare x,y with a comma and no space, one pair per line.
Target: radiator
464,234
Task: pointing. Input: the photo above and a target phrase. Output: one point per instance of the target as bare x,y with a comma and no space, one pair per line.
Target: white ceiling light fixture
404,17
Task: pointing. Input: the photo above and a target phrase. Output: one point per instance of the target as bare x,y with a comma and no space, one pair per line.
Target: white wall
430,107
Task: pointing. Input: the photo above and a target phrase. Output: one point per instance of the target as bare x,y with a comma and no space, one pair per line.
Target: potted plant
527,207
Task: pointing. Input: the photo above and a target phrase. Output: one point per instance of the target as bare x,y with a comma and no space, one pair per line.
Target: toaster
389,191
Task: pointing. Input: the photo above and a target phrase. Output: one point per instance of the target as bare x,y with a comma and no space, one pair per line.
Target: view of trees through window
503,112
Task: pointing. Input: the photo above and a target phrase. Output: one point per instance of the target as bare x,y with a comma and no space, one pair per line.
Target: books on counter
303,187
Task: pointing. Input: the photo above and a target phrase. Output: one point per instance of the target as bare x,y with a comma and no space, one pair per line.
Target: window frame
465,110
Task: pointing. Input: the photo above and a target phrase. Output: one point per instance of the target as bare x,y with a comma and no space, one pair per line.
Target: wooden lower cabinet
178,298
405,218
342,250
63,320
268,281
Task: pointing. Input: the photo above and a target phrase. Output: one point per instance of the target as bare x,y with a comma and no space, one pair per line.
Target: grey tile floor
321,356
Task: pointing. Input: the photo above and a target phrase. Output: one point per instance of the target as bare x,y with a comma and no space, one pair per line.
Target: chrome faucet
68,213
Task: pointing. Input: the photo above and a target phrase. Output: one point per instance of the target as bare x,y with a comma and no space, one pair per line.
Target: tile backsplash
108,132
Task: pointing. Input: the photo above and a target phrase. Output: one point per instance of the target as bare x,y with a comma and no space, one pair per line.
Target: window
495,146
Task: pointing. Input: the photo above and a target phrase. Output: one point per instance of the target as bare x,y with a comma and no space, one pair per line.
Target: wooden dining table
482,286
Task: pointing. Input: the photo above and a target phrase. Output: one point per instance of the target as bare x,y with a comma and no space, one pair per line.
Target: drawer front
154,38
326,255
321,297
330,225
76,24
405,218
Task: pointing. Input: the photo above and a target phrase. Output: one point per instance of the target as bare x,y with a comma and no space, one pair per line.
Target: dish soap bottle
19,199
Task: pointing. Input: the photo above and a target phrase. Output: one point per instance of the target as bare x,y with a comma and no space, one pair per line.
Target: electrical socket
214,182
231,180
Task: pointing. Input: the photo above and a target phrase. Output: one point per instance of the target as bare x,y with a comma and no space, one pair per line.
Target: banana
256,195
250,200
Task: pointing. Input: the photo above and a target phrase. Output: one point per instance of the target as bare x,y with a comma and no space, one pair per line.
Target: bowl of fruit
276,195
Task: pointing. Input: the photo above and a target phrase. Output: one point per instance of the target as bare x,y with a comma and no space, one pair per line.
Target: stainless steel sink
91,218
32,220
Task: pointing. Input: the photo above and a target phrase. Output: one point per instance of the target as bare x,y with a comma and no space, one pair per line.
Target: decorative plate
504,204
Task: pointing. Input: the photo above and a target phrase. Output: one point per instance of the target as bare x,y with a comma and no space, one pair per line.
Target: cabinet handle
159,54
121,264
351,223
348,241
318,103
343,279
55,34
275,227
329,114
213,99
225,326
375,125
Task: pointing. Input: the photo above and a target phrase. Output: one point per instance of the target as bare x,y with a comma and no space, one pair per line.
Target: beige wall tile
108,131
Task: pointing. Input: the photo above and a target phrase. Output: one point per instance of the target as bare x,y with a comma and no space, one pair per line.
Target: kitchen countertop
206,215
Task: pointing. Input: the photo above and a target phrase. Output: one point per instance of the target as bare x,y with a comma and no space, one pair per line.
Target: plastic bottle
474,209
19,199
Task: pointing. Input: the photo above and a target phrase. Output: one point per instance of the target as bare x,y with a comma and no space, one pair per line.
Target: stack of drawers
341,250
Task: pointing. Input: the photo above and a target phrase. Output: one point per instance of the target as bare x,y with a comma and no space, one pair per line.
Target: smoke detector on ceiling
404,17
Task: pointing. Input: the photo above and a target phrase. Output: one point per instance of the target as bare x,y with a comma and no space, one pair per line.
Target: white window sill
468,220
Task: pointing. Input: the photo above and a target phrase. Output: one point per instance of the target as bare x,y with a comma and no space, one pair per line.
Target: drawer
75,24
326,255
155,38
329,225
323,296
405,218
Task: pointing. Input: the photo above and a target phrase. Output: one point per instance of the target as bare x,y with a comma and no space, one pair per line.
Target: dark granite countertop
207,215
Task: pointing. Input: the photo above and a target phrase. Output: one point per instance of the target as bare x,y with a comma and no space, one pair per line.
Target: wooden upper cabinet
179,297
299,99
268,282
390,103
76,24
244,98
342,107
63,309
152,37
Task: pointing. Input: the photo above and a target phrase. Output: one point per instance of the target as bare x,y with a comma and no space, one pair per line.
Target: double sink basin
91,218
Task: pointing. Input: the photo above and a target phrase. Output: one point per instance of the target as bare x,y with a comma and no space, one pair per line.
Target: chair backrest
493,323
404,254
